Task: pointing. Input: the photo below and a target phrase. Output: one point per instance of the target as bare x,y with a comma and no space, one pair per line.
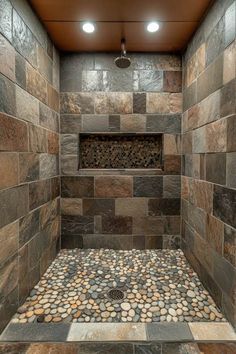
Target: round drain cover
115,294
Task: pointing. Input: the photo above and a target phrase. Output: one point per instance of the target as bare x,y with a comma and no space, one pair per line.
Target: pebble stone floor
158,285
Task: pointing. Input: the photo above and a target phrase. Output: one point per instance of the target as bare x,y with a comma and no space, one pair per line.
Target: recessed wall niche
120,151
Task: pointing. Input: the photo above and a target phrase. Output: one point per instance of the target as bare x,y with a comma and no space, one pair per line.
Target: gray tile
147,348
6,19
36,332
169,332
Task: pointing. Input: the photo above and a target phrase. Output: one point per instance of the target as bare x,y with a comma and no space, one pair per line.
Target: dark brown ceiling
121,18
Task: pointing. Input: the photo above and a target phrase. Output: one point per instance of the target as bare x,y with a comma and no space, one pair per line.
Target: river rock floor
156,286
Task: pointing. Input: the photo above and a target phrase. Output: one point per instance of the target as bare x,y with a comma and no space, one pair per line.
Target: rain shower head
123,61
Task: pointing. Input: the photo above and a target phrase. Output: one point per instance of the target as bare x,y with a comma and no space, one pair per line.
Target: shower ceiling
121,18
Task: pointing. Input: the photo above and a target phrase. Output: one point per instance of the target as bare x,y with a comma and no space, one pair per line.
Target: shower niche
120,151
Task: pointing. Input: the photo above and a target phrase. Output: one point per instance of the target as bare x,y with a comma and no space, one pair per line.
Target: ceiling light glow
88,27
153,27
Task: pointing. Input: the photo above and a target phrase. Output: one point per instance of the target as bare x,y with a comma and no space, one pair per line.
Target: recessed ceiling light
88,27
153,27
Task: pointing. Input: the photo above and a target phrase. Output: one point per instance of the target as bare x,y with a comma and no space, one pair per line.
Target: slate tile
77,225
39,193
7,96
77,187
6,19
117,225
169,332
113,186
230,244
224,200
139,102
151,186
29,227
8,170
216,168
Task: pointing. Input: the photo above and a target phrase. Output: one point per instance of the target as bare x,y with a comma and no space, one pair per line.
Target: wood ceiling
121,18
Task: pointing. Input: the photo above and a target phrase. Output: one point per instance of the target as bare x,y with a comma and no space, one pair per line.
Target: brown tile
9,238
117,225
131,206
37,139
44,64
77,187
216,136
48,118
39,193
9,276
193,117
158,102
53,98
13,134
97,206
185,187
203,253
139,102
7,59
28,167
172,81
48,213
172,144
172,164
55,187
215,233
13,204
133,123
36,84
187,143
113,186
77,103
113,103
20,70
149,225
219,348
172,225
171,186
53,143
176,101
164,206
148,186
29,227
8,170
201,195
71,206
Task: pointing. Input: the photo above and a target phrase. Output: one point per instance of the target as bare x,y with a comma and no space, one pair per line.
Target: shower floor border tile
119,332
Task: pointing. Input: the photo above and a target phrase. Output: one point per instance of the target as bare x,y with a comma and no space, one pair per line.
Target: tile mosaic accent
120,151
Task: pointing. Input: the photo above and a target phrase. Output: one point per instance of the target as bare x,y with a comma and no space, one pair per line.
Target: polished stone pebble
156,286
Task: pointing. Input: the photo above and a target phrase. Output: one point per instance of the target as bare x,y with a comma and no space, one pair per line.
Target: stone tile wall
209,155
29,127
125,210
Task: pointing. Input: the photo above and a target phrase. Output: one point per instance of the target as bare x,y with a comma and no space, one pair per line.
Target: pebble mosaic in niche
116,151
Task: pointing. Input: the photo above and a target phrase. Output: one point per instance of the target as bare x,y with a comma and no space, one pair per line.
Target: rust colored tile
215,233
36,84
216,136
112,187
13,134
37,139
201,195
8,170
53,98
53,143
172,164
172,81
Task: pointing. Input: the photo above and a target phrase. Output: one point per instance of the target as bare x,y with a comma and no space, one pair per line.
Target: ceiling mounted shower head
123,61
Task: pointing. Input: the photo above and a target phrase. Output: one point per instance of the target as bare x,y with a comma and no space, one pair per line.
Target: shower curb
119,332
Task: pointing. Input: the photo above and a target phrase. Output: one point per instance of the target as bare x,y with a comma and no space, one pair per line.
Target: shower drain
116,294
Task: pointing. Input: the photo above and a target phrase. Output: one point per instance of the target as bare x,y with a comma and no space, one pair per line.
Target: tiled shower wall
29,182
209,148
120,210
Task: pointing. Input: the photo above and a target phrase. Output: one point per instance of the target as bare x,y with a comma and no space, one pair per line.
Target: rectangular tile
148,186
224,200
212,331
28,167
37,139
13,204
169,332
113,186
9,239
149,225
98,207
131,206
7,96
139,102
77,187
8,170
27,106
77,225
71,206
113,103
39,193
36,332
107,332
7,56
77,103
117,225
163,123
163,206
36,85
132,123
230,244
6,19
